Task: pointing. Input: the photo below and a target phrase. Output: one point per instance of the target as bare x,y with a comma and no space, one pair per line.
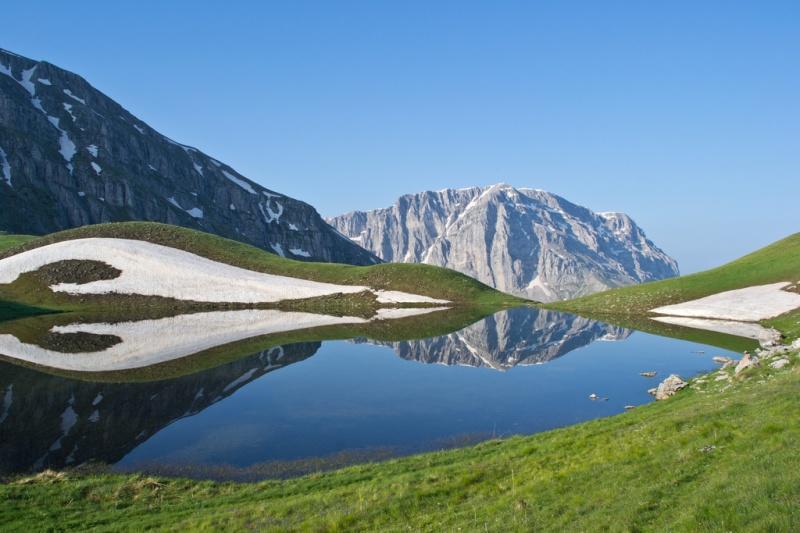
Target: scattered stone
780,363
629,407
721,360
652,391
669,387
648,374
708,448
593,396
728,364
796,345
722,377
747,361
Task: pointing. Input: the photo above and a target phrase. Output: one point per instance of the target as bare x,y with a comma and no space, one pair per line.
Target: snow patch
195,212
197,168
5,166
68,109
398,297
69,93
81,194
750,304
97,168
293,227
241,379
278,249
92,149
44,81
238,181
299,252
138,128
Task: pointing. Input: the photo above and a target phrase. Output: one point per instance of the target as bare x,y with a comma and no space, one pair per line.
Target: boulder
669,387
648,374
747,361
780,363
721,360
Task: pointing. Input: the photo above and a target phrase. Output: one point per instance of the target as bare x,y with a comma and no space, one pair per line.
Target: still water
302,406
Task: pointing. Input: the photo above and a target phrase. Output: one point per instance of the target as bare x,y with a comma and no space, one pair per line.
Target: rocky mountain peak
524,241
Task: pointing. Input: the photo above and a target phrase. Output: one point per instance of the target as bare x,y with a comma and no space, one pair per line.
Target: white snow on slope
299,252
138,128
195,212
149,342
44,81
92,149
97,168
750,304
197,168
69,93
154,270
5,166
238,181
68,109
278,249
748,330
66,146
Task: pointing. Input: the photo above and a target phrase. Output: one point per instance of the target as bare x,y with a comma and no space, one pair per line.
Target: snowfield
149,342
154,270
750,304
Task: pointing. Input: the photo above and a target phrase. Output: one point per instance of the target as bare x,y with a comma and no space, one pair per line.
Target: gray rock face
70,156
504,340
523,241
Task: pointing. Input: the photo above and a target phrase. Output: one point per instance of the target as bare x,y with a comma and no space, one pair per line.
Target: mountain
525,242
522,336
71,156
53,422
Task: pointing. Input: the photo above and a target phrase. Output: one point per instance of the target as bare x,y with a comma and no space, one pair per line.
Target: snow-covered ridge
154,270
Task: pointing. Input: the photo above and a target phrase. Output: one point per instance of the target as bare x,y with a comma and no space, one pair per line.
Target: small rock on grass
721,360
747,361
780,363
669,387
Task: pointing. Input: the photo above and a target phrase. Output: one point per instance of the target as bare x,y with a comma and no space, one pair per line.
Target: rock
669,387
780,363
708,448
720,359
747,361
593,396
796,345
722,377
526,242
629,407
648,374
652,391
728,364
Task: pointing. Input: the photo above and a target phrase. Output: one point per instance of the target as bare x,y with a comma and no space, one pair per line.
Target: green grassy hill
426,280
779,261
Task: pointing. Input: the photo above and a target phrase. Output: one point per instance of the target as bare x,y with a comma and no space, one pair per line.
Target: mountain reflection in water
55,421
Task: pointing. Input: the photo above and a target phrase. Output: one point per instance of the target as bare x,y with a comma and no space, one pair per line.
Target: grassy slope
644,469
9,241
779,261
420,279
9,310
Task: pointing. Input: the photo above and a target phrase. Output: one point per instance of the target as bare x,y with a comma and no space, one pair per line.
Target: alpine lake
182,395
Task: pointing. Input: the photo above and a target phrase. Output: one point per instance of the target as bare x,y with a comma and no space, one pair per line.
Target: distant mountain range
71,156
526,242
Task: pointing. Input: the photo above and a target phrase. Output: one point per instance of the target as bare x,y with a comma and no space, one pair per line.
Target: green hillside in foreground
426,280
777,262
715,458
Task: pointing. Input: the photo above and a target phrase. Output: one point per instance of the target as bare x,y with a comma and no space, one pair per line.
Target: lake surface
303,406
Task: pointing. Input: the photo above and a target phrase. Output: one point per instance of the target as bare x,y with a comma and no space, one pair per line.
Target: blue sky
685,115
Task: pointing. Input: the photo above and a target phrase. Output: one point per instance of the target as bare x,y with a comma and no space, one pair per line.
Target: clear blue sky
686,115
